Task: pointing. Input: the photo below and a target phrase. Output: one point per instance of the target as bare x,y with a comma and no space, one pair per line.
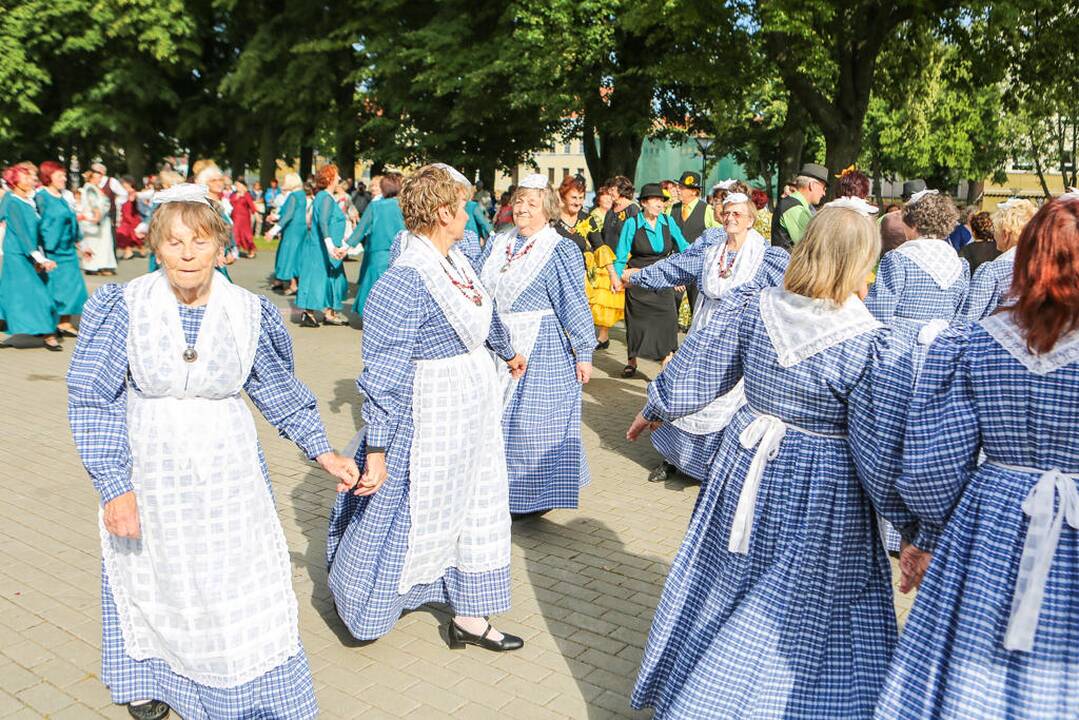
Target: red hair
46,170
1045,283
569,184
325,176
852,183
759,198
15,172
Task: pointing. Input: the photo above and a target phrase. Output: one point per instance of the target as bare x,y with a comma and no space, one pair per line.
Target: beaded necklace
465,286
725,268
512,256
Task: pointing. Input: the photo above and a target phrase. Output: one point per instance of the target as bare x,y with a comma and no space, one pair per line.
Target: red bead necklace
465,287
512,256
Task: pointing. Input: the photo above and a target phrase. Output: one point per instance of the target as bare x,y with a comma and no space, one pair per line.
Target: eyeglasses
732,213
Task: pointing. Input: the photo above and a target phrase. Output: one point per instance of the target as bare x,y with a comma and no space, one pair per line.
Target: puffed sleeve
566,294
773,267
885,293
97,393
877,418
942,437
392,318
683,268
983,295
283,400
708,364
498,338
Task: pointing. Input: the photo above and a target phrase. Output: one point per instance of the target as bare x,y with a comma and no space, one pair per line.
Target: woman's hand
639,425
627,274
616,282
122,516
342,468
373,475
584,372
912,563
517,365
47,266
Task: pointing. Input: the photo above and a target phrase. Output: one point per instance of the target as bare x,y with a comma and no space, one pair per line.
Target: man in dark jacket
793,213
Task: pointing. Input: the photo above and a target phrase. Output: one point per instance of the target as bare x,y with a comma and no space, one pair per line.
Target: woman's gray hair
552,208
932,216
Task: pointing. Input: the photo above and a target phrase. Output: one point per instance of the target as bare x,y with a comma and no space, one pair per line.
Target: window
567,149
550,175
580,171
565,173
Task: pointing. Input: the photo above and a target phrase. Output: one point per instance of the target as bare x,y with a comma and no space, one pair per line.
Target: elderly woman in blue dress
323,285
439,528
26,304
991,282
716,263
376,230
535,276
198,611
994,631
61,241
292,225
779,602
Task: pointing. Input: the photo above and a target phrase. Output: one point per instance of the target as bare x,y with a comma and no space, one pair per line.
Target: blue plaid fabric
542,423
97,391
951,661
693,454
988,287
802,626
368,537
469,245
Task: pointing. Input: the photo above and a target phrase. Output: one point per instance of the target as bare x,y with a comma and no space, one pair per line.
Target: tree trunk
307,159
268,154
792,140
135,155
841,151
237,151
975,188
346,125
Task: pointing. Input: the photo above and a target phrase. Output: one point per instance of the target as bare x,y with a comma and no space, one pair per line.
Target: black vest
641,252
780,236
693,226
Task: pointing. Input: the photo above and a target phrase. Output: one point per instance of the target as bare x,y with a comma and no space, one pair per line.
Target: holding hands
341,467
912,563
517,365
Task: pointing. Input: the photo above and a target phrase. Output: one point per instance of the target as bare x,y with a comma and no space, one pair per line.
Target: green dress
293,224
322,278
25,301
376,230
60,234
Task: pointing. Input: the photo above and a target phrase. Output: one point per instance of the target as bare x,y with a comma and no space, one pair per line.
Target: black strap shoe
153,710
662,473
308,320
458,638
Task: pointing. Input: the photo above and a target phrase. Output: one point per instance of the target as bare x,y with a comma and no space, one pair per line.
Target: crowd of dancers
835,404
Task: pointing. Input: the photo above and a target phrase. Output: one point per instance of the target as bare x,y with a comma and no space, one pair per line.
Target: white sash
936,257
1002,328
208,587
458,486
800,327
507,281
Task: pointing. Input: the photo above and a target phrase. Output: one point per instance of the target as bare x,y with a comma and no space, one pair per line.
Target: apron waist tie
1039,547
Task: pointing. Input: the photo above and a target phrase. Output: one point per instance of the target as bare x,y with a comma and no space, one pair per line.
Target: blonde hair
203,220
291,182
168,178
549,201
1009,222
835,255
423,193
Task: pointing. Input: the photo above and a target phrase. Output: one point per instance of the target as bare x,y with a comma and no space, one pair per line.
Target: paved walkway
585,583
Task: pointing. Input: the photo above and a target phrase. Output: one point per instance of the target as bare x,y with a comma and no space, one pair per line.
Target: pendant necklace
465,287
511,256
725,268
190,355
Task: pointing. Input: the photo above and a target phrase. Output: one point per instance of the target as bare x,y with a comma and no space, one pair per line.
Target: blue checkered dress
803,625
905,297
469,244
951,661
368,536
542,423
693,454
988,287
97,387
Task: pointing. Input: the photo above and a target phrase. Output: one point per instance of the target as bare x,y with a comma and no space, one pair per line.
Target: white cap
184,192
723,185
1009,203
921,194
1072,194
736,198
457,176
535,181
854,203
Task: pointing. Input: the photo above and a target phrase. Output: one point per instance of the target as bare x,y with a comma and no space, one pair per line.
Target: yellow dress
607,305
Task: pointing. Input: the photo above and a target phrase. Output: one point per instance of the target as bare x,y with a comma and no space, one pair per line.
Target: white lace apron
208,587
458,485
716,415
506,281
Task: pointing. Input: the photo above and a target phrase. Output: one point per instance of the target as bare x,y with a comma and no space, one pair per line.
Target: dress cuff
112,488
651,412
315,444
926,537
379,437
584,355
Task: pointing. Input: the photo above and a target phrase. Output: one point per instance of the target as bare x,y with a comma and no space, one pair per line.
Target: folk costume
438,530
322,278
96,234
376,230
993,631
26,301
155,408
61,239
989,287
242,215
292,219
779,602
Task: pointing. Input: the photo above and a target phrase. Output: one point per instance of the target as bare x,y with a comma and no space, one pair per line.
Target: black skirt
651,323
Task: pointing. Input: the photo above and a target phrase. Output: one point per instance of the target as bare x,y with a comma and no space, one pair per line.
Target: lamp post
703,144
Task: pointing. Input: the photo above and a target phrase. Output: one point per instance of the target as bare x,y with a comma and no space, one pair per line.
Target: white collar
800,327
937,258
1002,328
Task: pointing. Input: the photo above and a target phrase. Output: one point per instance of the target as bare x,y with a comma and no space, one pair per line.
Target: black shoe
603,345
662,473
64,332
629,371
458,638
55,347
153,710
308,320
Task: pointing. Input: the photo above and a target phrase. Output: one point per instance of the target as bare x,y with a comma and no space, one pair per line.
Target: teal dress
322,278
293,222
377,228
60,233
25,301
477,220
230,246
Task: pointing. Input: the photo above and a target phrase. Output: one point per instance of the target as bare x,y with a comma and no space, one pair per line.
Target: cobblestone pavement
585,583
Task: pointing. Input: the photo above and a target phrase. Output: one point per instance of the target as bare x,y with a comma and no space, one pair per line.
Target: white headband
454,173
723,185
856,204
735,198
534,181
184,192
921,194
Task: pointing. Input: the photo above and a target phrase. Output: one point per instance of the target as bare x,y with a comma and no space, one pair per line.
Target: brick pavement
585,583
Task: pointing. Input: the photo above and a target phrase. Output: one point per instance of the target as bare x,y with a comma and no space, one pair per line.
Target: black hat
651,190
912,186
815,171
691,180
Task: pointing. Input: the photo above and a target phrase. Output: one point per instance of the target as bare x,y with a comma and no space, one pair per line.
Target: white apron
506,281
208,587
459,487
716,415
